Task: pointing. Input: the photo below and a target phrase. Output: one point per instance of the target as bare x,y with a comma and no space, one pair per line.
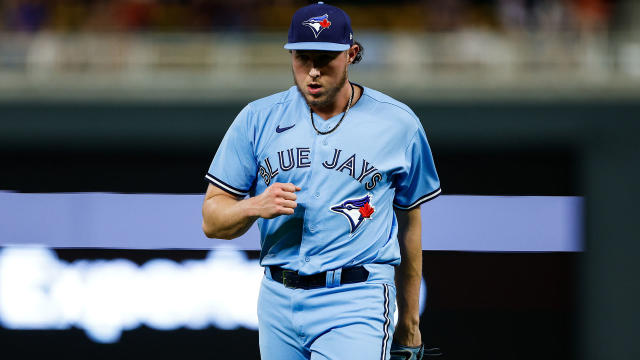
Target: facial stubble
328,98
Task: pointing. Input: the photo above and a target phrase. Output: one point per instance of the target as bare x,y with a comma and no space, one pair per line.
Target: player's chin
317,97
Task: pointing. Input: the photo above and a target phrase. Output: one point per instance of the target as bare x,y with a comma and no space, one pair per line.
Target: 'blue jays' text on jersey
351,179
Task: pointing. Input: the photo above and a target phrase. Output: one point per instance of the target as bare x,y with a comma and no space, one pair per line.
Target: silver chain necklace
339,122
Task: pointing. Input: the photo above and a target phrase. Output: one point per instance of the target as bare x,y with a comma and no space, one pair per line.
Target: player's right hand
278,199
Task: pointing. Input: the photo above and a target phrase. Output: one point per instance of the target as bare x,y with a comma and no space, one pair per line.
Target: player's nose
314,72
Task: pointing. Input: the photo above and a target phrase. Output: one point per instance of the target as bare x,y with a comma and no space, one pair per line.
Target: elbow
213,233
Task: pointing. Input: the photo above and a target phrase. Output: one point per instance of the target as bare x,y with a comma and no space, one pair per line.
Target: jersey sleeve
418,180
234,168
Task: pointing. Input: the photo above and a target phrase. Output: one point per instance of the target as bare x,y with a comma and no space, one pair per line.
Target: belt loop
329,281
337,275
267,272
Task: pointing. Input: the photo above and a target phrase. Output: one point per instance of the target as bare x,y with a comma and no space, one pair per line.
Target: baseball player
334,174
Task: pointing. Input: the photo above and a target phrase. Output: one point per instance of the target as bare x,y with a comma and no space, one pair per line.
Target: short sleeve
418,180
234,168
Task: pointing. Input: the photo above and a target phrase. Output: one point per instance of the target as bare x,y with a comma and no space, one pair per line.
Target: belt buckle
290,281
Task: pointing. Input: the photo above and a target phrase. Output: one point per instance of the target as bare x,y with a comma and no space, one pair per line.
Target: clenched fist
278,199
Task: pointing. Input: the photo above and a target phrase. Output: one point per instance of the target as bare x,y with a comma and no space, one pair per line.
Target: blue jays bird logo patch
317,24
355,210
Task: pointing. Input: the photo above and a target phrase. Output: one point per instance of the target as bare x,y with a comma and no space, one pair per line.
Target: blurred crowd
265,15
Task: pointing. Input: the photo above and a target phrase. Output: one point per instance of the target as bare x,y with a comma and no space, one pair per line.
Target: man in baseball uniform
334,174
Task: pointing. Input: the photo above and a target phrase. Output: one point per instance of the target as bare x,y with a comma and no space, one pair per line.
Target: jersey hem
224,186
423,199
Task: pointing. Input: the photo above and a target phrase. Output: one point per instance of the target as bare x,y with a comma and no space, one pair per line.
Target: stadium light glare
106,297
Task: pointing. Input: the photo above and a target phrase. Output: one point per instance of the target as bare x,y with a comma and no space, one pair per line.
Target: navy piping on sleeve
423,199
224,186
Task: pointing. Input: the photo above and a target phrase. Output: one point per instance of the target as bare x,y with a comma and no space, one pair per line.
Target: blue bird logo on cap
355,210
317,24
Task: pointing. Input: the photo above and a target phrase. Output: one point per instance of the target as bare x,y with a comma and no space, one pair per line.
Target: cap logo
317,24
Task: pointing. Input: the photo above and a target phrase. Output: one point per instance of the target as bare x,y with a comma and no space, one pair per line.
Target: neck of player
340,105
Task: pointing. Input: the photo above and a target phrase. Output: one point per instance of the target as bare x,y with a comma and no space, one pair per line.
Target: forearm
227,218
409,278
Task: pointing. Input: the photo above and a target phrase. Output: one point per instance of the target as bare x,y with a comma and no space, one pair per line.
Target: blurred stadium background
519,98
452,49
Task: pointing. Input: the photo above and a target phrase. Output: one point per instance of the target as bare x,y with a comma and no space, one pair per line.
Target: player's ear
352,52
357,50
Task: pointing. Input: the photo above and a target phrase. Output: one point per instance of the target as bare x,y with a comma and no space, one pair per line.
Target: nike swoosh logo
279,129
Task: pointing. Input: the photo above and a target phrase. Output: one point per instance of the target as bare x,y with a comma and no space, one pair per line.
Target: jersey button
307,259
316,194
324,142
312,228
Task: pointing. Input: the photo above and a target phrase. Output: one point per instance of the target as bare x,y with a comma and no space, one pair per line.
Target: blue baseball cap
320,27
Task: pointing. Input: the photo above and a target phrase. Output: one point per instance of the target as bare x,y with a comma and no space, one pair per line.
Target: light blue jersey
351,179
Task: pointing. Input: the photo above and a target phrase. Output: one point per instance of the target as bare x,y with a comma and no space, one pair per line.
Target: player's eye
324,60
302,58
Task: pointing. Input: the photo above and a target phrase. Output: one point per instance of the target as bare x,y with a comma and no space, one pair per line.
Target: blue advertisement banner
158,221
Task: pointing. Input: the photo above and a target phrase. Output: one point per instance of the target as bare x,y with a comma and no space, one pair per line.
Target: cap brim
326,46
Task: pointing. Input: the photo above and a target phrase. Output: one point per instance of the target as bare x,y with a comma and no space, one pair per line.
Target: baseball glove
401,352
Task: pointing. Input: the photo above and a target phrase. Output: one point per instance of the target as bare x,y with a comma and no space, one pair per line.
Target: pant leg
364,331
277,336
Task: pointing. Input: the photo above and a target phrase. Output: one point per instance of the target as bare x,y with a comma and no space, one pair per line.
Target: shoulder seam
415,117
283,99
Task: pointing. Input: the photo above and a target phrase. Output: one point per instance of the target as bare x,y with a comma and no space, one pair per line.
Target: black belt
292,279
